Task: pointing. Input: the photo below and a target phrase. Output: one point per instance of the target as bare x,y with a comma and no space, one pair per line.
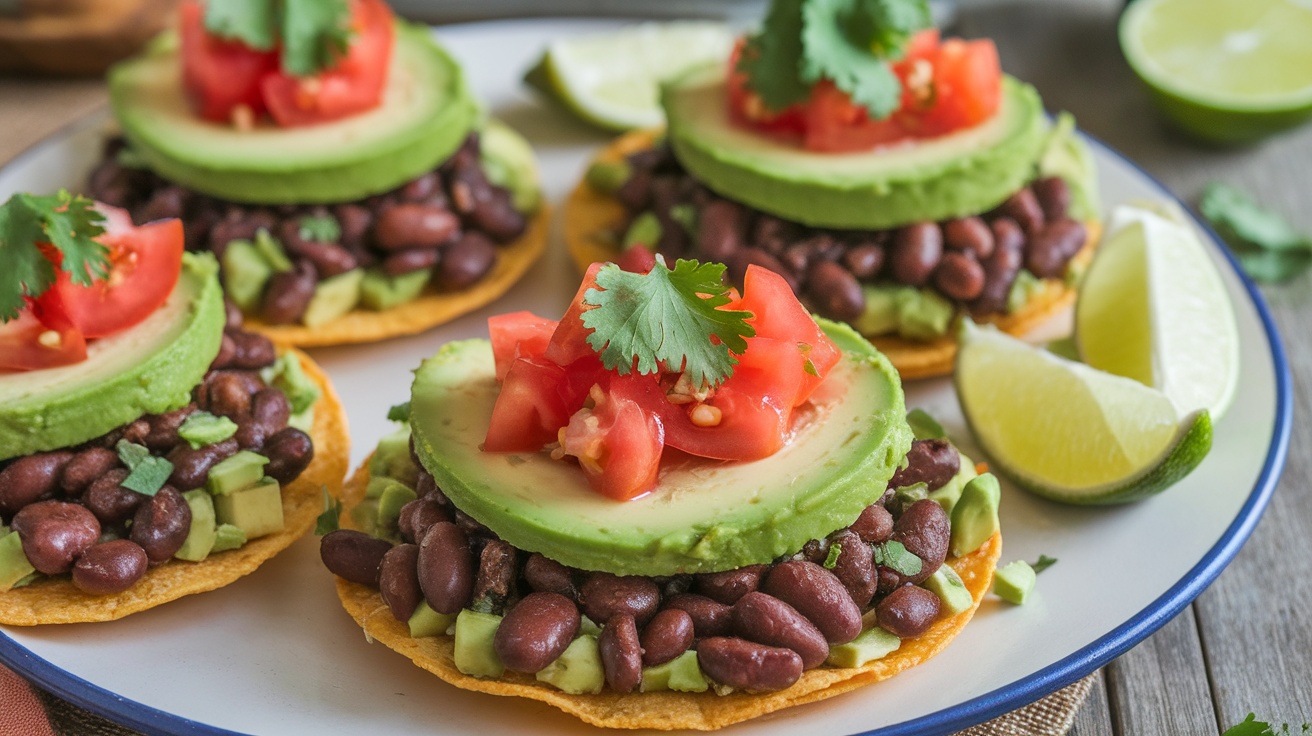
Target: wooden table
1245,645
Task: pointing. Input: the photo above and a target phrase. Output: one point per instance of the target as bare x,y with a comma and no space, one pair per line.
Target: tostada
895,179
677,507
150,447
334,160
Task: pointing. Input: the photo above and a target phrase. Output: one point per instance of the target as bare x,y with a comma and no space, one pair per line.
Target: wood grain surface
1245,645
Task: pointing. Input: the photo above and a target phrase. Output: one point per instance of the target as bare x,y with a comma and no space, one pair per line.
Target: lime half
1068,432
613,79
1152,307
1224,70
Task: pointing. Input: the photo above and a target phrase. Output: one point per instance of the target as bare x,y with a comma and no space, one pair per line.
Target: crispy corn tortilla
593,216
431,309
57,601
663,710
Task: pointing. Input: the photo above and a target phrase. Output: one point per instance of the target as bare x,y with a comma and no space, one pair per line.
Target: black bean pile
71,513
449,220
755,628
972,261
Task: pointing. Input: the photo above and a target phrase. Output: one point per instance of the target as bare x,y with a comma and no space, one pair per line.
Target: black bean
54,534
1023,207
84,468
835,290
970,234
419,514
864,260
329,259
30,478
446,568
547,575
228,394
466,261
907,611
109,500
289,451
412,225
669,634
355,222
874,525
252,351
161,525
746,665
536,631
288,294
603,595
621,653
917,249
730,585
1000,269
925,530
720,230
191,467
110,567
398,580
959,276
163,433
1054,196
413,259
709,617
767,620
227,351
164,203
932,462
422,187
353,555
855,567
1050,249
817,594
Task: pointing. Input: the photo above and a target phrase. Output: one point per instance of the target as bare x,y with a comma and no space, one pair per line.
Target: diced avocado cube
608,176
226,537
474,654
287,375
234,473
200,540
644,230
950,589
365,516
880,313
588,626
508,161
577,670
203,428
394,497
975,515
245,273
427,622
681,674
333,297
392,458
14,566
257,510
379,290
1023,289
1014,581
922,314
272,251
949,493
377,484
869,645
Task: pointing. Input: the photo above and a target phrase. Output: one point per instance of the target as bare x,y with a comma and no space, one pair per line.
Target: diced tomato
218,75
518,335
144,267
946,86
780,316
570,341
531,407
354,84
27,343
618,443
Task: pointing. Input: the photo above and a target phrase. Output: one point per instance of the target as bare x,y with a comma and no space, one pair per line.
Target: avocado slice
703,516
150,368
966,172
427,111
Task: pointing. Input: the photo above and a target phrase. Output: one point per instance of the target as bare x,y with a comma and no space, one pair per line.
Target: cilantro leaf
896,557
321,228
330,519
1044,563
831,559
399,412
68,224
147,473
839,38
772,58
666,320
253,22
1269,249
924,426
893,22
315,33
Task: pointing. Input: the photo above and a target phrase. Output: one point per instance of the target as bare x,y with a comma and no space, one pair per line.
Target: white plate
275,653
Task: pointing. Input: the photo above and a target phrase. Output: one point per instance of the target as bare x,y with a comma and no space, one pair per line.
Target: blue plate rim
963,715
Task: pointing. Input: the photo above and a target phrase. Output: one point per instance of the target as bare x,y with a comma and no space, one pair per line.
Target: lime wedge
1223,70
1152,307
1068,432
613,79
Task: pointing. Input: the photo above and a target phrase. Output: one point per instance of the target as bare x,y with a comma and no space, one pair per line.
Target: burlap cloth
1051,716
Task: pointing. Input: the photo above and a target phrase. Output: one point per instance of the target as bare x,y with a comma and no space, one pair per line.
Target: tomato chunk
618,443
29,343
518,335
219,75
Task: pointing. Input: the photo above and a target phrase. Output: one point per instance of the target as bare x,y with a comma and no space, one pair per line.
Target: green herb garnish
147,473
320,228
848,42
1269,249
896,557
202,428
68,224
330,519
1044,563
925,427
314,34
667,319
831,560
399,412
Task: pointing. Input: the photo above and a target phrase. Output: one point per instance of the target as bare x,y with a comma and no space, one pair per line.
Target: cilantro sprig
67,223
313,33
667,319
848,42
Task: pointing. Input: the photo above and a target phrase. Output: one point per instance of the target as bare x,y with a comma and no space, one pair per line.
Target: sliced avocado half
149,368
427,111
705,515
967,172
